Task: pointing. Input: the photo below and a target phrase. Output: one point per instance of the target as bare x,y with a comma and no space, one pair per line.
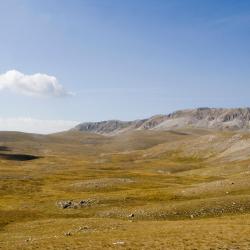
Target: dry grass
186,190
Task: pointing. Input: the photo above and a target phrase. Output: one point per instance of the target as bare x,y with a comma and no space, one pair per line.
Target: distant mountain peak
204,117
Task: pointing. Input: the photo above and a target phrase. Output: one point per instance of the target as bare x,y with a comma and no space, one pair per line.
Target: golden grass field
182,189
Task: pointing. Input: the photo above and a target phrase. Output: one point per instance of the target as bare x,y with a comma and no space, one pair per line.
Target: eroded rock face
108,127
64,204
234,119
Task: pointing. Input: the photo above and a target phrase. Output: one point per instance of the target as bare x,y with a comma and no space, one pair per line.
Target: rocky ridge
206,118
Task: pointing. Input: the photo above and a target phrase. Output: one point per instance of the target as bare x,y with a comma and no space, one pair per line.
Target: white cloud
33,85
30,125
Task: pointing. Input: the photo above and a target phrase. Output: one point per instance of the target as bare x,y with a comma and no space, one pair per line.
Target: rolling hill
184,187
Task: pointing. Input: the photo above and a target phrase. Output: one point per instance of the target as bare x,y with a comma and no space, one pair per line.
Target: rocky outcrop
109,127
74,204
207,118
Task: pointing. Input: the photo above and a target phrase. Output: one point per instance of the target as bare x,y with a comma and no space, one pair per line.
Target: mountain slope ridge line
205,118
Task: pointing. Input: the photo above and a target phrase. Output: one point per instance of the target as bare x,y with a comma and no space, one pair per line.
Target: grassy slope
187,190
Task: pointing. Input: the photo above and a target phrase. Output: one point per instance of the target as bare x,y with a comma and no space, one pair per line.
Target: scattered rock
67,234
119,243
83,228
75,204
64,204
84,203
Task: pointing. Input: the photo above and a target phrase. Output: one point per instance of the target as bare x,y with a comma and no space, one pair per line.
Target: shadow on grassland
18,157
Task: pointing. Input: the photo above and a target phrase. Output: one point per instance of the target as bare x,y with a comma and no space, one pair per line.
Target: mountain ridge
204,117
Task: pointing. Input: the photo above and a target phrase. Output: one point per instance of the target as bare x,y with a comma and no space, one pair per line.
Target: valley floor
220,233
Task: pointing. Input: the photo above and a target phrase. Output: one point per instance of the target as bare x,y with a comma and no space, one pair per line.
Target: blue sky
123,59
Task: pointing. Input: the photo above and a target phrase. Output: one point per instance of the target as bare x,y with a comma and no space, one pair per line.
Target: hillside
204,118
141,189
